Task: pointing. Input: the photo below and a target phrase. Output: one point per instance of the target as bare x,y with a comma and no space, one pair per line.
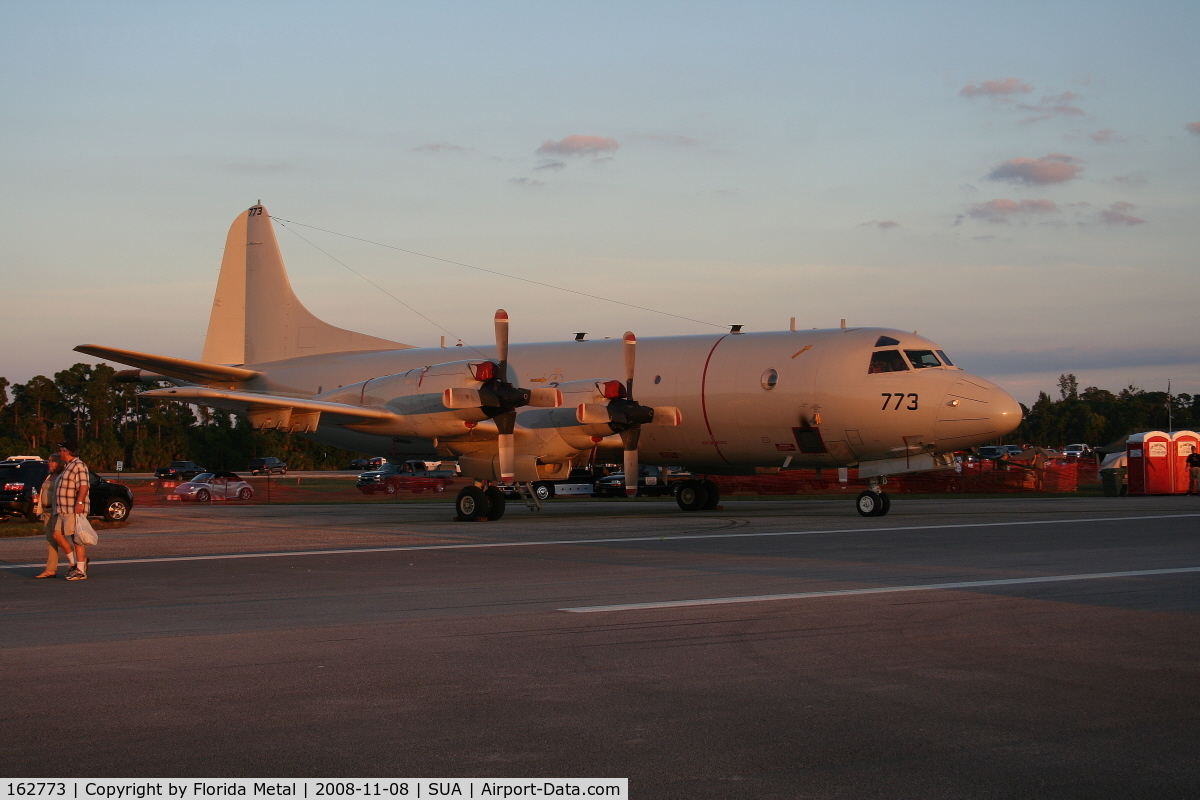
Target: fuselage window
884,341
945,360
887,361
922,358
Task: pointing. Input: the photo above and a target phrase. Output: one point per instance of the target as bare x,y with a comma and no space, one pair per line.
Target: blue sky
1017,181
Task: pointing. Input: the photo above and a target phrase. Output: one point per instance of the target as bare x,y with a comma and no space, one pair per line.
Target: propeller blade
630,438
502,342
506,446
630,350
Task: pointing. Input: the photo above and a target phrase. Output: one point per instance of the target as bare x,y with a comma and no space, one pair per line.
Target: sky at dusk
1017,181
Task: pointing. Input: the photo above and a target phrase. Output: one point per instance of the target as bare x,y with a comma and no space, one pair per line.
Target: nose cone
1006,411
976,411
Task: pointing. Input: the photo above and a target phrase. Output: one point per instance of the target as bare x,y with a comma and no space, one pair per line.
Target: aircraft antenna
490,272
376,285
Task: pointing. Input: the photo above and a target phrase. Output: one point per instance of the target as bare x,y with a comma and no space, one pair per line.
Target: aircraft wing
196,371
254,404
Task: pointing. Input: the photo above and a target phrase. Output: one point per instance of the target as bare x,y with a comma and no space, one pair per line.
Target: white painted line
558,542
714,601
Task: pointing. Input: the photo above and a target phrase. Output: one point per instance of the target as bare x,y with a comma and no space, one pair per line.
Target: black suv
179,471
265,466
21,480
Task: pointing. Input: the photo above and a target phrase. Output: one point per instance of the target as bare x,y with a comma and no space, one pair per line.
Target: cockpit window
945,360
887,361
922,358
884,341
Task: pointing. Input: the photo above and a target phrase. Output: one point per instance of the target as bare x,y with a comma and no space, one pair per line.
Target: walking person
1193,462
55,538
71,499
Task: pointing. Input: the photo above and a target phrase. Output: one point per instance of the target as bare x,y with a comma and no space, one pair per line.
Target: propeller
499,399
631,435
507,420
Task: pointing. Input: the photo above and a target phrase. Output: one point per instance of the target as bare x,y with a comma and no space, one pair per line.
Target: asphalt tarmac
777,648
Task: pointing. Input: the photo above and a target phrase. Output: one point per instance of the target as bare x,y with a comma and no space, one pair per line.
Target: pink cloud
1003,210
1057,105
579,145
1000,88
1105,136
1194,127
1116,215
1054,168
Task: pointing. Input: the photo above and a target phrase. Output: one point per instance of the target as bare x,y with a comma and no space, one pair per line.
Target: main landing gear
873,502
475,505
694,495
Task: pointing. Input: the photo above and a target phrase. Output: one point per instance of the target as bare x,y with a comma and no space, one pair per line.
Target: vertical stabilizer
256,317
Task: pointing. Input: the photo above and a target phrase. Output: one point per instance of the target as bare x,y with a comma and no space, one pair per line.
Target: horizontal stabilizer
181,368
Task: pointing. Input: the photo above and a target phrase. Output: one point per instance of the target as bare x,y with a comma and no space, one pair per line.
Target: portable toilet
1151,463
1186,443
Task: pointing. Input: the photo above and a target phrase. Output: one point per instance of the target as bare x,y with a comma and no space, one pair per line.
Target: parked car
1013,449
21,479
214,486
359,463
179,471
992,452
266,466
652,482
411,476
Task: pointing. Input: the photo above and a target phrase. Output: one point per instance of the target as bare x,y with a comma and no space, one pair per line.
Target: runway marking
628,539
713,601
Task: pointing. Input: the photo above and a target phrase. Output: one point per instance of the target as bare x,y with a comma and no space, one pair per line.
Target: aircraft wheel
692,496
543,491
714,495
471,504
872,504
496,503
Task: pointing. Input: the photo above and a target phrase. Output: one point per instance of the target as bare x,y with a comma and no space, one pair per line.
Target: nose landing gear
873,502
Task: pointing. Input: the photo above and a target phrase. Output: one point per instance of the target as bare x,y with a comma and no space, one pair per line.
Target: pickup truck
412,476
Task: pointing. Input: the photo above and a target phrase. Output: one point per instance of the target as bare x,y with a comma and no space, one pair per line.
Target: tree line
1097,416
112,422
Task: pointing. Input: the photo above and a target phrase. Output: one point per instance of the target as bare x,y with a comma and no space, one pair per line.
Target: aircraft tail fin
256,317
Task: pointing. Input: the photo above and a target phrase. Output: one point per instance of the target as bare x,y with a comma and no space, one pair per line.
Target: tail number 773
898,400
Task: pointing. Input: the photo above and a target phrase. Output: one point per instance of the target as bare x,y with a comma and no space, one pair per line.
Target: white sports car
214,486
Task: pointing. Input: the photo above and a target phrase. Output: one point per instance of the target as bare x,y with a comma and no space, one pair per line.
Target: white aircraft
735,403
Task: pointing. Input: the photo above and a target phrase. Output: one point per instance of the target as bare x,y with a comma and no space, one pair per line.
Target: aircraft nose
1005,410
977,411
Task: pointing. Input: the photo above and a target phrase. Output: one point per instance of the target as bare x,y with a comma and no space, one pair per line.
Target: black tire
691,496
471,504
203,496
543,491
117,510
496,499
245,493
873,504
714,495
